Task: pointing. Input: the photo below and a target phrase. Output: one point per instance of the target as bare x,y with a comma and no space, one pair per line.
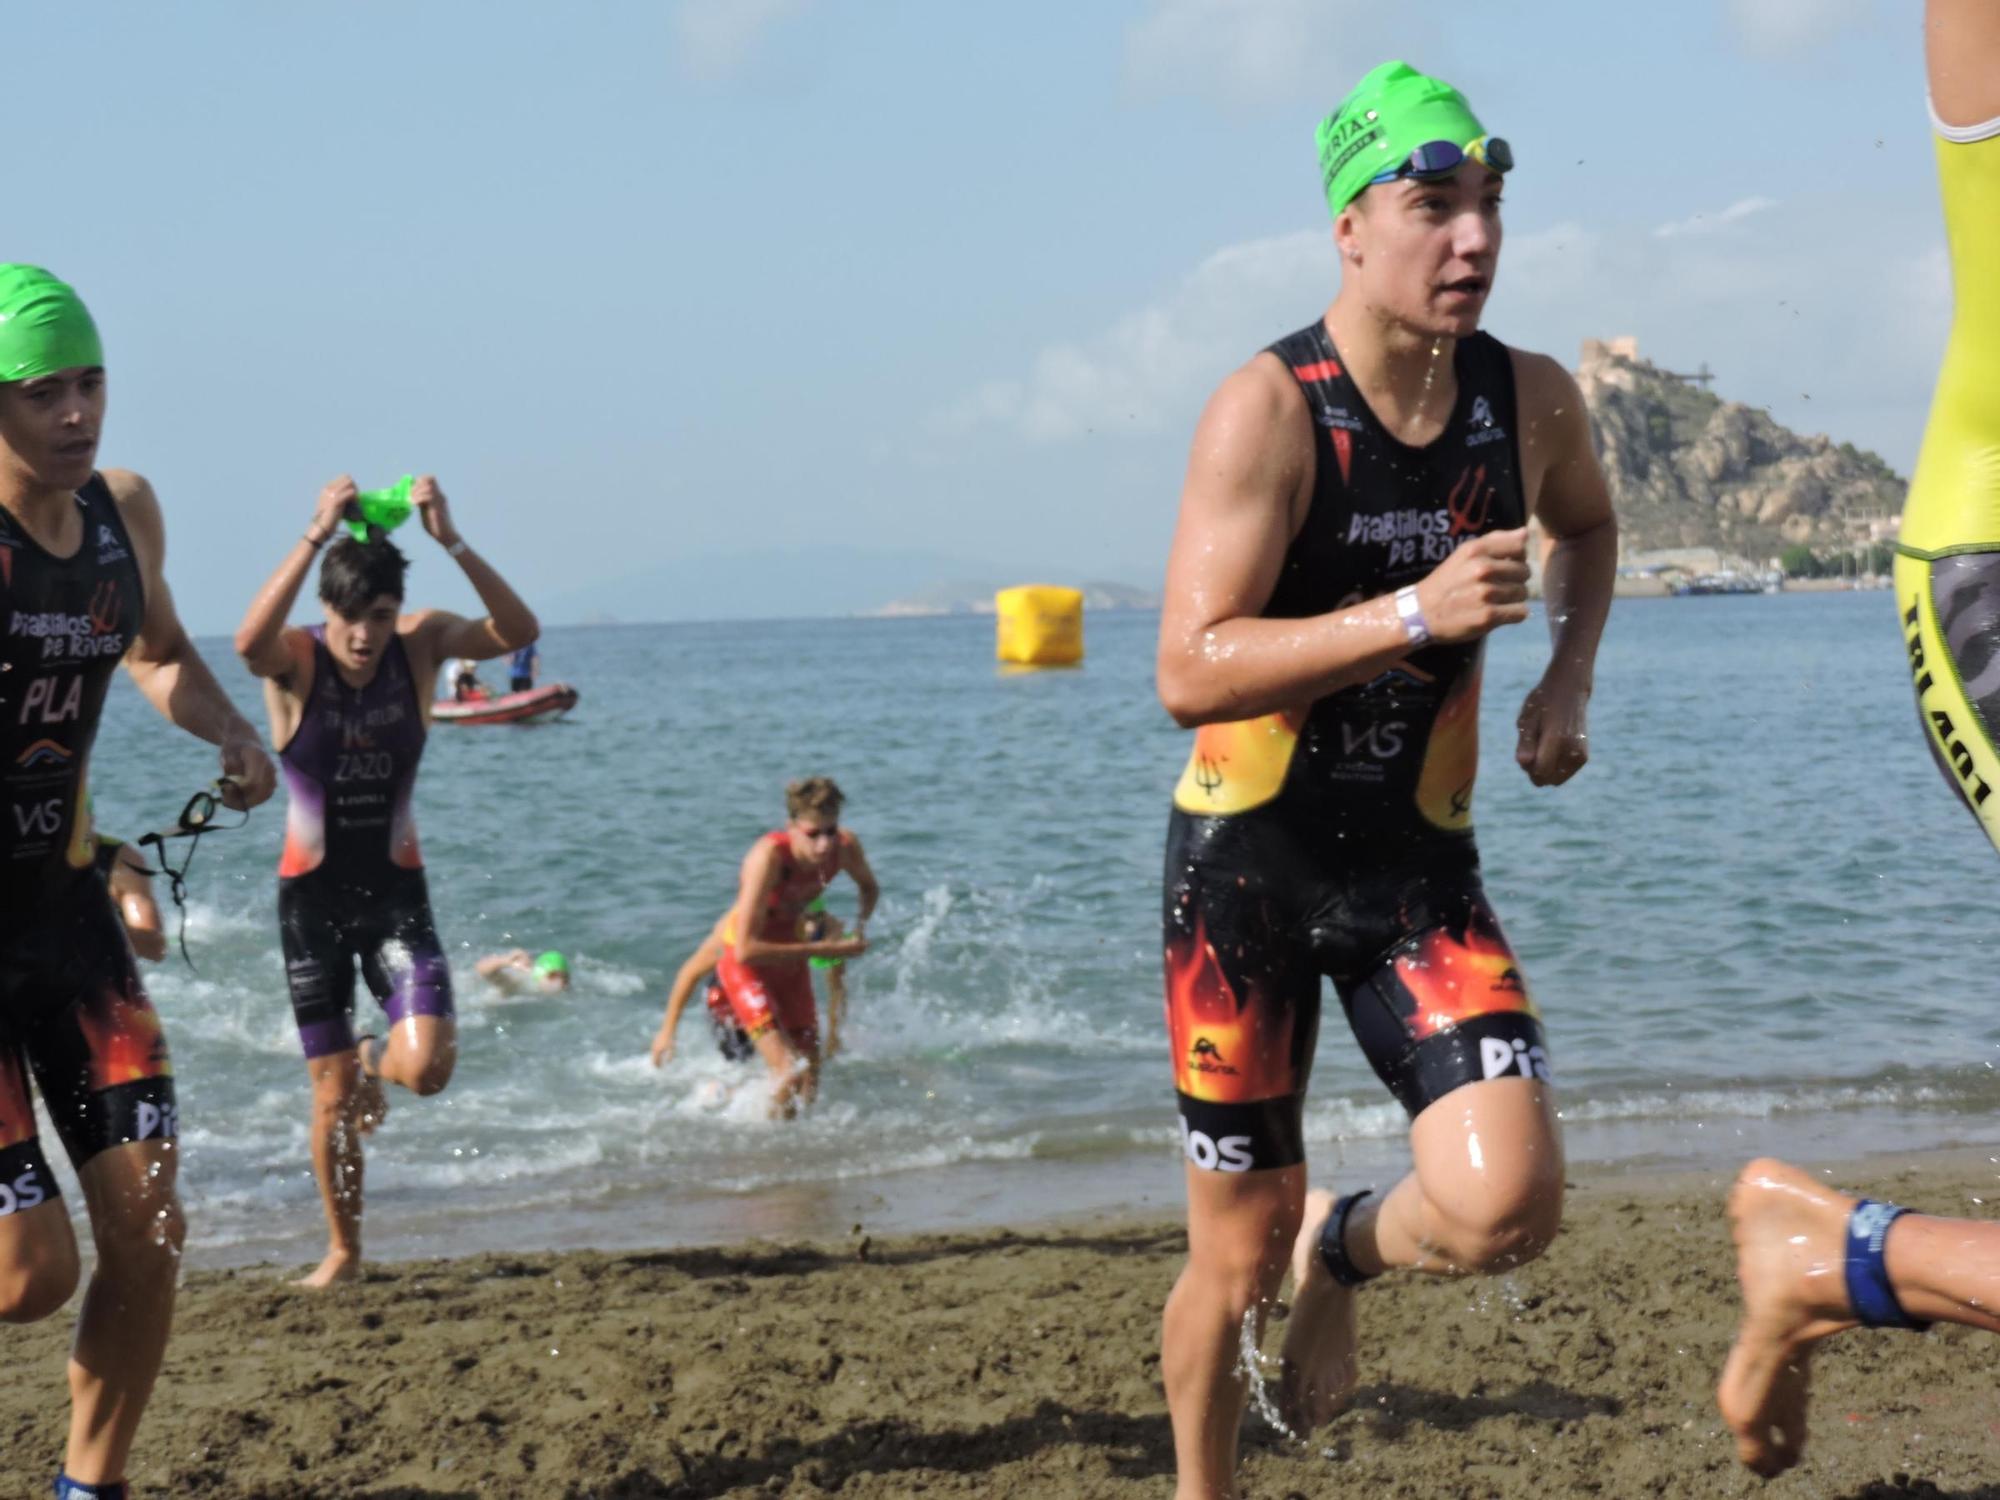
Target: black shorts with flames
1256,919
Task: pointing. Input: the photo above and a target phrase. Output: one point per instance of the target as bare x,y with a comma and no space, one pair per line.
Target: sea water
1757,921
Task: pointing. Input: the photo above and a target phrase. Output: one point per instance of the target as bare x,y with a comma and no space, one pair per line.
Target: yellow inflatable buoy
1039,625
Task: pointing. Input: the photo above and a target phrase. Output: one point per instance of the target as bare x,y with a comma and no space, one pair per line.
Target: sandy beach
1009,1364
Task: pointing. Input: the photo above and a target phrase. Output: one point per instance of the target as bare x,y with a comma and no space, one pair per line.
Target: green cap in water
549,963
1393,110
384,510
44,326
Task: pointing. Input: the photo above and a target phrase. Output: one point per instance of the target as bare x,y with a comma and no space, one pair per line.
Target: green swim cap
549,963
1391,112
385,510
44,326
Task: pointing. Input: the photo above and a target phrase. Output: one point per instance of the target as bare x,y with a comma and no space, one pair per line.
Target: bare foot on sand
1318,1371
1791,1258
339,1265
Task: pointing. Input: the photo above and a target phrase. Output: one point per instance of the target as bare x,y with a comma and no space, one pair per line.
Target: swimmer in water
817,925
1813,1261
349,702
1352,528
763,966
521,972
81,570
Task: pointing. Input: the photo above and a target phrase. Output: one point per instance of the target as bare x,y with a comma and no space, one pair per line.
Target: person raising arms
349,704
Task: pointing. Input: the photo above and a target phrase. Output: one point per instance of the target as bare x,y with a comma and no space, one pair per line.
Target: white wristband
456,548
1411,613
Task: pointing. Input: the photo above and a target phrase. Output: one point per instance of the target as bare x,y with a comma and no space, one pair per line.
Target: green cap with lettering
1391,112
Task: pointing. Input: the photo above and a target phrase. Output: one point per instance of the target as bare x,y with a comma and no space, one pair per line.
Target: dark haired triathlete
349,702
1350,531
1814,1261
82,588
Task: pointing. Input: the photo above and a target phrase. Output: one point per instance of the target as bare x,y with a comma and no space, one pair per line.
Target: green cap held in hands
384,510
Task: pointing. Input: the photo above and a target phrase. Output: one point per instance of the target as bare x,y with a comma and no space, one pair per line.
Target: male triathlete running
1351,529
1811,1260
816,925
763,964
349,702
82,588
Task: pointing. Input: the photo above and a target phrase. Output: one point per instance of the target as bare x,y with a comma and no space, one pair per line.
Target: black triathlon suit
1338,842
72,1010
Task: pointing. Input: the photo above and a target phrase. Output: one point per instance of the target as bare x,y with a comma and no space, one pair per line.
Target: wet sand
1010,1364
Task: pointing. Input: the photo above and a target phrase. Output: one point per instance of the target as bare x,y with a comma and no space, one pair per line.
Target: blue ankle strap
1868,1290
75,1489
1333,1241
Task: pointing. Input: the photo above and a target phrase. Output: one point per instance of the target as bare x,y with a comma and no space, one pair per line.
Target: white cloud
717,37
1250,50
1778,28
1139,374
1742,208
1833,321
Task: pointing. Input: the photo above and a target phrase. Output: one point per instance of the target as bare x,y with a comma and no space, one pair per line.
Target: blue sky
696,306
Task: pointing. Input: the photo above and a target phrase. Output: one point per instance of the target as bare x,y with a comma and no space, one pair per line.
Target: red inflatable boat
550,701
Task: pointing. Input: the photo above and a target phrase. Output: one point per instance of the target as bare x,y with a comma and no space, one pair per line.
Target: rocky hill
1688,469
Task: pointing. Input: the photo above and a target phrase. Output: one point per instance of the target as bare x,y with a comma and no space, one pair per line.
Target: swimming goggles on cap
1442,158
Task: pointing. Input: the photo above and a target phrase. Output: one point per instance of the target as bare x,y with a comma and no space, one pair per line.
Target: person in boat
349,702
518,971
818,925
521,668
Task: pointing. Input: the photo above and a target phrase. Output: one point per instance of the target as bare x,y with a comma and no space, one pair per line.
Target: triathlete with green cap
1353,525
81,553
516,970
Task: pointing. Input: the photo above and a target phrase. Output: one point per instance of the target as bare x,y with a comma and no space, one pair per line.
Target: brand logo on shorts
1205,1057
26,1191
1230,1153
1500,1058
156,1122
1951,749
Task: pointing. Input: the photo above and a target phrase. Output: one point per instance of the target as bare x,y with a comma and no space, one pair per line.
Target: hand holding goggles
1441,158
197,818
